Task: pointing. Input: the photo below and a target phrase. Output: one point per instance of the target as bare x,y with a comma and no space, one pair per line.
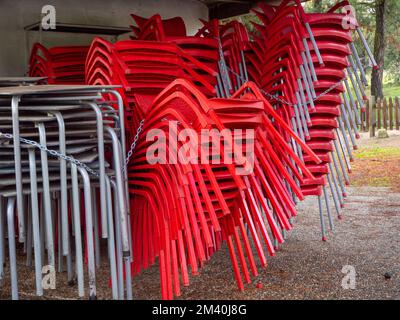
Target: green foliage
377,152
392,65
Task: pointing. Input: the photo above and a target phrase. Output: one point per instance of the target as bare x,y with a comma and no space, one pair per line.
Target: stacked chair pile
59,195
184,211
209,204
310,62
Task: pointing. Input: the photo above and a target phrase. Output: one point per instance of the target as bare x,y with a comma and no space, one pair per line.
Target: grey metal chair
52,145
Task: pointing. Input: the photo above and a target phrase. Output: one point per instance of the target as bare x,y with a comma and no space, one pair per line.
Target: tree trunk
379,49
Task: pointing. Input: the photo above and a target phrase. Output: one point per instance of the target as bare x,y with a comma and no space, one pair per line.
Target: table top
43,89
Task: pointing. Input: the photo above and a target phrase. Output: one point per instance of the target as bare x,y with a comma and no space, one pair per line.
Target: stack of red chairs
62,65
304,55
184,211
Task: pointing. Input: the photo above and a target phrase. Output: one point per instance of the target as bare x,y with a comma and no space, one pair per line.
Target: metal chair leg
352,104
35,222
119,255
359,64
89,233
96,228
314,43
310,62
47,197
307,87
121,190
366,46
342,165
348,126
11,249
102,169
77,229
360,83
356,89
328,208
308,74
111,241
28,232
334,193
336,185
322,219
18,169
2,242
63,185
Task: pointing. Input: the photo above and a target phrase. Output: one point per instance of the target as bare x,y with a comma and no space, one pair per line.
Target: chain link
327,91
53,153
135,140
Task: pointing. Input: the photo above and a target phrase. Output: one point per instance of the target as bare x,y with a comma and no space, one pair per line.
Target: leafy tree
392,57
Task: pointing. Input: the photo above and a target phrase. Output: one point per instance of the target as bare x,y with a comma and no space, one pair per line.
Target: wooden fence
381,113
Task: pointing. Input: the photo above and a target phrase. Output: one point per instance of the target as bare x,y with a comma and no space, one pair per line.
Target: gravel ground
307,268
304,268
393,140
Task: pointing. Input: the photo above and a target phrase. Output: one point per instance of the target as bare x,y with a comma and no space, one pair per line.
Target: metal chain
53,153
135,140
273,97
327,91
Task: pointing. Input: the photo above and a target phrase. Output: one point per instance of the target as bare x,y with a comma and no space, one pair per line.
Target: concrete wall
15,43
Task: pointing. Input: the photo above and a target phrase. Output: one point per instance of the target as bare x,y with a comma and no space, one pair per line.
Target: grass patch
377,153
391,91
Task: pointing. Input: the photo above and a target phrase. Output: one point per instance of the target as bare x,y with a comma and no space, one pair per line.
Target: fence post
372,117
356,112
396,112
362,117
390,113
378,111
385,117
367,113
